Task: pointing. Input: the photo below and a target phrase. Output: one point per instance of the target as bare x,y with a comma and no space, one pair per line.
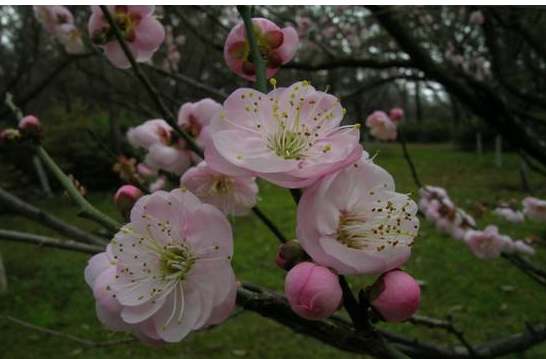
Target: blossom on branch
195,118
277,47
509,214
138,26
395,296
381,126
164,150
289,137
232,195
168,271
535,209
354,222
488,243
59,21
313,291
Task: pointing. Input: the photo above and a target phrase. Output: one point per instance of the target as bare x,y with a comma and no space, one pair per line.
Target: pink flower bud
125,198
30,128
10,135
313,291
398,296
29,122
289,254
396,114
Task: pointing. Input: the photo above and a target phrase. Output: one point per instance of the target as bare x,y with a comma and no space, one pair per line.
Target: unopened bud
290,254
313,291
395,296
125,199
31,128
10,135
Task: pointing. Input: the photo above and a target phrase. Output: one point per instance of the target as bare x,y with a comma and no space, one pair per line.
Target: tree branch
49,220
21,237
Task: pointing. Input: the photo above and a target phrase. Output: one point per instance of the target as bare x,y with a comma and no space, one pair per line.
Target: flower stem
257,60
86,209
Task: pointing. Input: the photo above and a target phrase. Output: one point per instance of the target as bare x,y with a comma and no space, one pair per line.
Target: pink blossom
168,271
231,195
159,184
399,296
125,198
277,46
70,37
354,222
396,114
143,33
381,126
476,17
313,291
163,151
145,171
535,209
52,16
174,159
150,133
59,21
289,137
488,243
195,118
509,214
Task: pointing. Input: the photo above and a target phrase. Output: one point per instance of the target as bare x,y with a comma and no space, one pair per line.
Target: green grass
46,286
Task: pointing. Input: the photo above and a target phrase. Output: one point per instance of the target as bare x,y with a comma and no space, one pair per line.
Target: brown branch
25,209
21,237
70,337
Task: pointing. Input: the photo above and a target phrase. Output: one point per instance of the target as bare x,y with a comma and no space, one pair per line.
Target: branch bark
19,206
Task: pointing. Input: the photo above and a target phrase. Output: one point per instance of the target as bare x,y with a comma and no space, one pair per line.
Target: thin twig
27,210
15,236
70,337
460,335
86,209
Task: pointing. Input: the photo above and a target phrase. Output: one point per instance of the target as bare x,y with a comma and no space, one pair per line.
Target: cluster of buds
29,129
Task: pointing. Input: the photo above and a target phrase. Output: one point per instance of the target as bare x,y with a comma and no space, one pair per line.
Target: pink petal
289,47
149,35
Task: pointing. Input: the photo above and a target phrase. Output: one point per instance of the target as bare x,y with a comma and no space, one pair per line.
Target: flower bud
313,291
395,296
289,254
10,135
30,128
396,114
125,198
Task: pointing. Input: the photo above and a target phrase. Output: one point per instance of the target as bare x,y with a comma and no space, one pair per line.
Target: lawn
486,298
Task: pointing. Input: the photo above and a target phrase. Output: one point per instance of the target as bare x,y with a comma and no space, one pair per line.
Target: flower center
222,185
176,261
126,22
373,229
288,144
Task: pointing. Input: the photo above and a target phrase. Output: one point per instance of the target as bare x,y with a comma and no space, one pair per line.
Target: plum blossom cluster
383,126
438,208
168,271
59,22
